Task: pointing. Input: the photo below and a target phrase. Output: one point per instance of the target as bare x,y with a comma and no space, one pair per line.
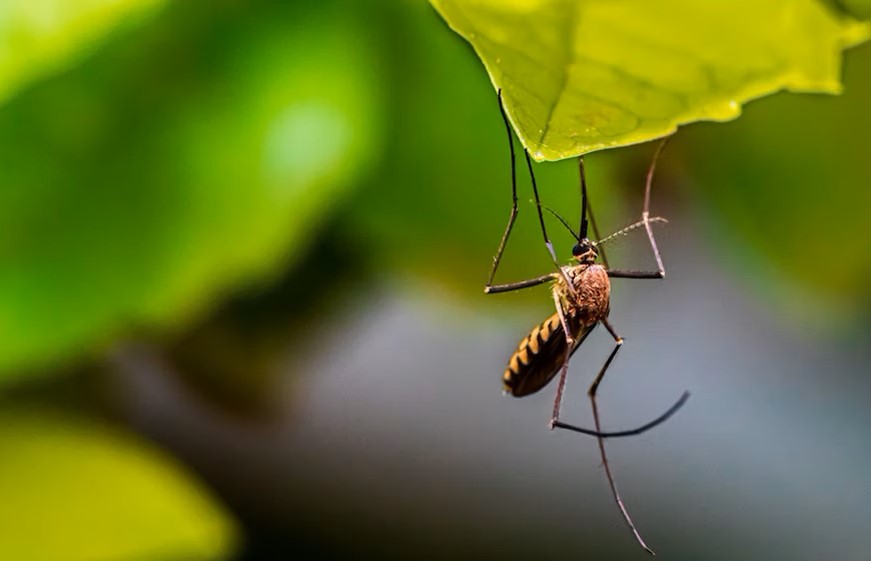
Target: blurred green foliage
174,163
858,8
39,37
578,76
79,491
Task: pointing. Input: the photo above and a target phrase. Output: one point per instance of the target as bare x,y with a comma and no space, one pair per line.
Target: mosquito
581,295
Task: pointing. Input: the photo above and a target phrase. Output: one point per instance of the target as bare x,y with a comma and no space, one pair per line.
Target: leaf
39,37
439,205
788,185
583,75
197,156
78,491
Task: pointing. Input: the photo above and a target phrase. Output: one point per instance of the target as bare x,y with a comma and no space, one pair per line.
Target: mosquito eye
577,250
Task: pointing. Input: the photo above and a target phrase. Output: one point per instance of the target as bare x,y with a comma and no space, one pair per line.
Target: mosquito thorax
585,251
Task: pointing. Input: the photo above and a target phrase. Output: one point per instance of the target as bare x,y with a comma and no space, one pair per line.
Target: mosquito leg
626,274
610,328
592,393
556,423
611,483
645,213
547,242
596,233
570,346
490,288
557,404
587,209
493,289
630,432
513,216
619,343
646,221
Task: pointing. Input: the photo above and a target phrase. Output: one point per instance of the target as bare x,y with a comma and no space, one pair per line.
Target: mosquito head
585,251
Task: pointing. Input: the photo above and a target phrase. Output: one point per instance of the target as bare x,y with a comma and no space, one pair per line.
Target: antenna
563,222
627,229
583,230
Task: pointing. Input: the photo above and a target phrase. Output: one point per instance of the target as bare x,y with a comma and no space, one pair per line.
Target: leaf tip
855,33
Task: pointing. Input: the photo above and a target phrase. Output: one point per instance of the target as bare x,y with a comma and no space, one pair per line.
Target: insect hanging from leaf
582,297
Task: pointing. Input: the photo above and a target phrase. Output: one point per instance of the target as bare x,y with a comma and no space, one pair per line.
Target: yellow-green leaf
75,490
40,36
782,196
583,75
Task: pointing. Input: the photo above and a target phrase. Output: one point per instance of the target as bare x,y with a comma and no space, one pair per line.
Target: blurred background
242,254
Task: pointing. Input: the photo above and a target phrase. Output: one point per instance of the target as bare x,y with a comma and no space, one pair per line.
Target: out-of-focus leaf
582,75
38,37
75,490
198,154
789,184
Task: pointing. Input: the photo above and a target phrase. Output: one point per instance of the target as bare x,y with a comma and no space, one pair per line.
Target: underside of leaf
583,75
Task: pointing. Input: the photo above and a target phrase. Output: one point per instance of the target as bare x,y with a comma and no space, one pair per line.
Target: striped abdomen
540,355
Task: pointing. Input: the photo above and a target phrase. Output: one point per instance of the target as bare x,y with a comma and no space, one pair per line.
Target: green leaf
78,491
440,204
788,186
583,75
38,37
194,157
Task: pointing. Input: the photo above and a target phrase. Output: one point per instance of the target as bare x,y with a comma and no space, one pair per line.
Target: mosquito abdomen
537,358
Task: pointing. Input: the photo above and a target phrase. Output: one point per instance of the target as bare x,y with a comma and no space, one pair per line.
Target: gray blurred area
399,444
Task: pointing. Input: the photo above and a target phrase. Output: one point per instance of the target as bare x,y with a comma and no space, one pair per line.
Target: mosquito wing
541,354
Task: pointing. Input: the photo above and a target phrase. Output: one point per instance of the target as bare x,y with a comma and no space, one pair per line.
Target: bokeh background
242,253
